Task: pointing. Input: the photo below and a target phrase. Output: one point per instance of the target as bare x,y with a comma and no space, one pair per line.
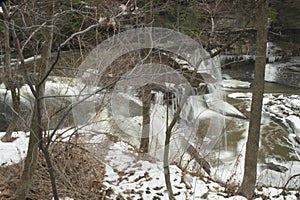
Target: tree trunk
15,95
146,101
166,151
31,158
10,82
250,168
36,131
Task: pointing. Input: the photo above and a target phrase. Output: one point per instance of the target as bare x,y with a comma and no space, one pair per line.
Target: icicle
159,98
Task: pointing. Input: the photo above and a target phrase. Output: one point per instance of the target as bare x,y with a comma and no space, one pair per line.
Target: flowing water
279,152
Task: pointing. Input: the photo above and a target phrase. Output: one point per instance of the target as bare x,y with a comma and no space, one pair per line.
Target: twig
288,181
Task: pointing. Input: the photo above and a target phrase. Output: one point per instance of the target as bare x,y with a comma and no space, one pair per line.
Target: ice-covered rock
295,103
235,84
294,122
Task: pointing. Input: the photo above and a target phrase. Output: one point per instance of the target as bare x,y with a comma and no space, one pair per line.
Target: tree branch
59,50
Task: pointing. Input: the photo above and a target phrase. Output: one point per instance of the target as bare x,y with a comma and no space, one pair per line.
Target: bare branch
32,34
63,44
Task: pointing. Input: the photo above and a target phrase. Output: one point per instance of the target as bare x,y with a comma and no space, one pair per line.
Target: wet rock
275,167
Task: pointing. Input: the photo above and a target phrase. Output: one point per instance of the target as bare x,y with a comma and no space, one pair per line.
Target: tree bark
10,80
166,151
36,129
15,96
146,101
30,160
250,168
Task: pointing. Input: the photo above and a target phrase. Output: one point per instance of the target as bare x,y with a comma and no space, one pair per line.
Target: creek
279,150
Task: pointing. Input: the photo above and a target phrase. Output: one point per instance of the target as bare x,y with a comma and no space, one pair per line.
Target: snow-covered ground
133,177
11,153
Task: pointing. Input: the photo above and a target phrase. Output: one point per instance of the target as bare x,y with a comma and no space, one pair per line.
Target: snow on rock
235,84
295,103
273,193
240,95
237,57
13,152
294,122
286,109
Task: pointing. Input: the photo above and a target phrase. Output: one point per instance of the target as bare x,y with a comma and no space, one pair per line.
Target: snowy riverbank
129,176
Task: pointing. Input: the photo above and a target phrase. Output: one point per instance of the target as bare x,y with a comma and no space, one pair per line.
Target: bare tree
10,77
250,168
37,87
36,132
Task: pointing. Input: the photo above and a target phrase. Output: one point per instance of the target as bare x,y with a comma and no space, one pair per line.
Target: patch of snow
294,122
2,86
66,198
131,177
240,95
235,84
123,7
98,138
181,62
13,152
295,103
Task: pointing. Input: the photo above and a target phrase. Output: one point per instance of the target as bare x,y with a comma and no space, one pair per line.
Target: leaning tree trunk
250,168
